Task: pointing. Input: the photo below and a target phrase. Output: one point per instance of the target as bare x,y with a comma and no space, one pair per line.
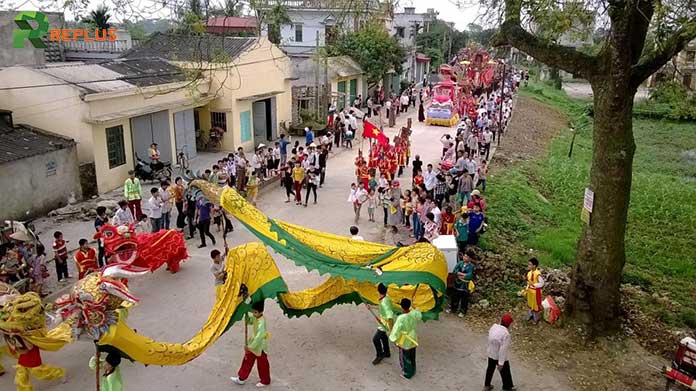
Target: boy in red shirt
60,254
85,259
448,218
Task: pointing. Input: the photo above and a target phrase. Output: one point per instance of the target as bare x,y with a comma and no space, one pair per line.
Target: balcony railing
97,46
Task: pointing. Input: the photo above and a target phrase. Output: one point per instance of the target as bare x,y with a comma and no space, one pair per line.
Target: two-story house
315,22
405,26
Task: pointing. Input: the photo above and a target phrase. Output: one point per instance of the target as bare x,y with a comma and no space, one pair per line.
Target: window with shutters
115,147
298,33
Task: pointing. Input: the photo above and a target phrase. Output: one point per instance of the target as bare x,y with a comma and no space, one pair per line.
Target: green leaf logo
26,31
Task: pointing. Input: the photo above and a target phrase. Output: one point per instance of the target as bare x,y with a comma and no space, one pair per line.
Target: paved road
331,351
583,90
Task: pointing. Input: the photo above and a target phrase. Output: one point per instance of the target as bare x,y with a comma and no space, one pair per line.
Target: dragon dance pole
98,364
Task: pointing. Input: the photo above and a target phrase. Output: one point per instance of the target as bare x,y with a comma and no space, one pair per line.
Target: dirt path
618,363
533,126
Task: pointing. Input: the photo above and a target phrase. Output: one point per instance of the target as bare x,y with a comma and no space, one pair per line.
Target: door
259,121
185,132
269,123
353,91
274,119
152,128
341,95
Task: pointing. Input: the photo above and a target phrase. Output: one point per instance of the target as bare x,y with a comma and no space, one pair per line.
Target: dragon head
22,313
120,244
94,300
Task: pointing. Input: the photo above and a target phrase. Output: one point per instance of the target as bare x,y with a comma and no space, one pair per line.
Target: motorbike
152,171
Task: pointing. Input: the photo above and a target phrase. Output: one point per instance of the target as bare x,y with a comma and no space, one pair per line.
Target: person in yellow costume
403,334
23,325
255,350
533,291
3,350
386,318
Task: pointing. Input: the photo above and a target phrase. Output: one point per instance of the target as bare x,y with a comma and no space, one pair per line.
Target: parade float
444,103
97,306
471,72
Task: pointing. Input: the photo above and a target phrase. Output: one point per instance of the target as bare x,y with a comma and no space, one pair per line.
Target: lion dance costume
23,325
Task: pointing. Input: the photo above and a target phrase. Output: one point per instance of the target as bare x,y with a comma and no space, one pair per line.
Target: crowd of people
444,197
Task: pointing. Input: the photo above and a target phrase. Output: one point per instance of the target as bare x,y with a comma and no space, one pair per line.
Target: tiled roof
114,75
422,57
23,141
232,22
192,48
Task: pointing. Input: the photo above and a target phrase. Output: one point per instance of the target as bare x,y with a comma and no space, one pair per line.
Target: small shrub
630,277
688,316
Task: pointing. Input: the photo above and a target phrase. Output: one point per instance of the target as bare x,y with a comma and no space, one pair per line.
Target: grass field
537,204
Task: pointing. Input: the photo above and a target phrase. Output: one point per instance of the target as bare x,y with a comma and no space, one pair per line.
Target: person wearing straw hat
498,346
403,334
24,244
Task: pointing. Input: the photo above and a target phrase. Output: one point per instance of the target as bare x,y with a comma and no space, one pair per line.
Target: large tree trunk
594,296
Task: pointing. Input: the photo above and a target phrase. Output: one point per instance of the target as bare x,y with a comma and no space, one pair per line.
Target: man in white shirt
446,139
470,165
404,100
429,179
256,160
353,122
240,163
123,215
313,158
498,346
486,141
460,165
166,198
154,206
437,216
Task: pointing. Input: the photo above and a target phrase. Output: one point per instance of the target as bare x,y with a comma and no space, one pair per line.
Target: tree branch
558,56
653,61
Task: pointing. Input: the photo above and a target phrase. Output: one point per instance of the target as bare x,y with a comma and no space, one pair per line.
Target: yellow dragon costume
418,272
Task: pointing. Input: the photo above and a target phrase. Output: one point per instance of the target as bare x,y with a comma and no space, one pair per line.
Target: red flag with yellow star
371,131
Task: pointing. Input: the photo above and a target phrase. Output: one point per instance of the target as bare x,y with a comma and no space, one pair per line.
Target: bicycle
182,160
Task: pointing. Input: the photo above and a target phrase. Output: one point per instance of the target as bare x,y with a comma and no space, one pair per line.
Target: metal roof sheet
192,48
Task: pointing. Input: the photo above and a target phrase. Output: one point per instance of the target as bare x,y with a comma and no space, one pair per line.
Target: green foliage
669,100
435,43
403,85
99,18
479,35
136,30
195,7
232,8
275,18
537,203
373,48
190,23
688,317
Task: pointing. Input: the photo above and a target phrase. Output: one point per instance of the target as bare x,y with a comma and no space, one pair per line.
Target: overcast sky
460,15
